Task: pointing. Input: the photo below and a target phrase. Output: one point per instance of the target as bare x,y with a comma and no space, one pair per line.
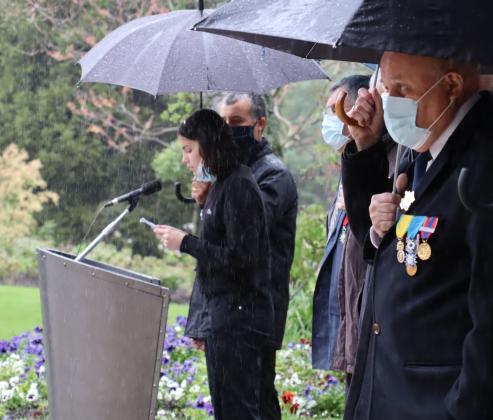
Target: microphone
146,189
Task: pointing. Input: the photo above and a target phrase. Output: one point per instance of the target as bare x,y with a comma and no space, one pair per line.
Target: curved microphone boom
146,189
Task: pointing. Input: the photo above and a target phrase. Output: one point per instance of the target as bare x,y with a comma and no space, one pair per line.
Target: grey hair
257,102
352,85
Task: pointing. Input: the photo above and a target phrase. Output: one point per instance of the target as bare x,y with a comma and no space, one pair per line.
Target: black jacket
375,180
280,200
426,343
232,252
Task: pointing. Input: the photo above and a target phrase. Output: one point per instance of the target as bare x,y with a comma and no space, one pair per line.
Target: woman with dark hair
233,270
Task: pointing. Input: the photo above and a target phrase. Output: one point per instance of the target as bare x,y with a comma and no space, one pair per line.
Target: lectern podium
104,329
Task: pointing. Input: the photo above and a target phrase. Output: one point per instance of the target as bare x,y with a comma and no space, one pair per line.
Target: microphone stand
108,229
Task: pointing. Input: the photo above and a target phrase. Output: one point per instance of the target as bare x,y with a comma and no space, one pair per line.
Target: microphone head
151,187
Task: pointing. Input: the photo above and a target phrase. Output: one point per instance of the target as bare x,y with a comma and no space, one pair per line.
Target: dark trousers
241,378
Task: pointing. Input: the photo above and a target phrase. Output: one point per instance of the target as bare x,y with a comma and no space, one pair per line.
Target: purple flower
307,390
209,409
200,404
331,380
4,346
40,362
181,321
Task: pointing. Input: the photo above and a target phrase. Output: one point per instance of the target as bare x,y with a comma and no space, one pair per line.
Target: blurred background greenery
65,148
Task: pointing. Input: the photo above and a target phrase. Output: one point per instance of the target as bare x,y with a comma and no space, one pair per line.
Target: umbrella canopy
361,29
159,55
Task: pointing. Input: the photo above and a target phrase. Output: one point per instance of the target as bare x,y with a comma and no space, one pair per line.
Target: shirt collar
440,142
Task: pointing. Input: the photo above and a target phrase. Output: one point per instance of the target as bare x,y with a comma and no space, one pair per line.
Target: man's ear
455,83
261,124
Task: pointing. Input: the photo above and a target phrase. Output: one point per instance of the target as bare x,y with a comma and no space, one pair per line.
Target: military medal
412,243
411,270
424,251
428,228
401,256
400,231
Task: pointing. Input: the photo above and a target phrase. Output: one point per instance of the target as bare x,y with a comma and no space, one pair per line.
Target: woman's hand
169,236
200,190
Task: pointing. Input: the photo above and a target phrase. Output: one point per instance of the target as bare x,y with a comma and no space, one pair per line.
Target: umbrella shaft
396,168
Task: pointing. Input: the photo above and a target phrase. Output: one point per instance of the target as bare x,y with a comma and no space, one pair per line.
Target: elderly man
246,114
426,335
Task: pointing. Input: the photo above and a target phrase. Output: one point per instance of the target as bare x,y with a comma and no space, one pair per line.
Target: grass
20,310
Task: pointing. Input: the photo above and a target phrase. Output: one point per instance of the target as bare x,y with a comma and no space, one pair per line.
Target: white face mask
332,128
400,114
203,175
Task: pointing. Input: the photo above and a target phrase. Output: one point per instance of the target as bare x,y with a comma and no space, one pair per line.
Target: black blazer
426,345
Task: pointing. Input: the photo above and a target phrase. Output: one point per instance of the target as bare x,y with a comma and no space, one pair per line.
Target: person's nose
183,158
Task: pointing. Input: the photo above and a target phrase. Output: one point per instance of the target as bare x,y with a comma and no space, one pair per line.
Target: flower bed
183,389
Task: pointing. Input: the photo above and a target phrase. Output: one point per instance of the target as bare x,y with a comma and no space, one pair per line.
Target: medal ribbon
428,227
415,226
345,222
402,225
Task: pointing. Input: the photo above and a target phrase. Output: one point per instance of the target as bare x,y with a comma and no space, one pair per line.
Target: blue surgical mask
203,174
400,114
332,128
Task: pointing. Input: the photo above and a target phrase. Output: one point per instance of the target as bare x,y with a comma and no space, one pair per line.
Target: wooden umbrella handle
340,112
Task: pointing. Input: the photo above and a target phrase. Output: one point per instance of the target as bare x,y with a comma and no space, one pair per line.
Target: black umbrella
360,30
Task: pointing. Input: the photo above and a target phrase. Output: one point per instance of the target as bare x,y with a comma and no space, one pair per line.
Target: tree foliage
97,141
22,194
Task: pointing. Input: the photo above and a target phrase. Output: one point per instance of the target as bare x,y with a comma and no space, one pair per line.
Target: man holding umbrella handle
426,342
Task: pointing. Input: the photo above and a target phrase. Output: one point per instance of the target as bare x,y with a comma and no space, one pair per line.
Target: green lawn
20,310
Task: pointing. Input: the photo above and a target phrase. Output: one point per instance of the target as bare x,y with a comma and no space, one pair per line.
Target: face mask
243,135
332,128
399,115
203,174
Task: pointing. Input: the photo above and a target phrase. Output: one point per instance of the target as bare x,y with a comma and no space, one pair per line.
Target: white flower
407,200
4,385
159,395
6,395
41,370
18,367
207,399
310,404
195,389
295,380
14,380
32,394
176,394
